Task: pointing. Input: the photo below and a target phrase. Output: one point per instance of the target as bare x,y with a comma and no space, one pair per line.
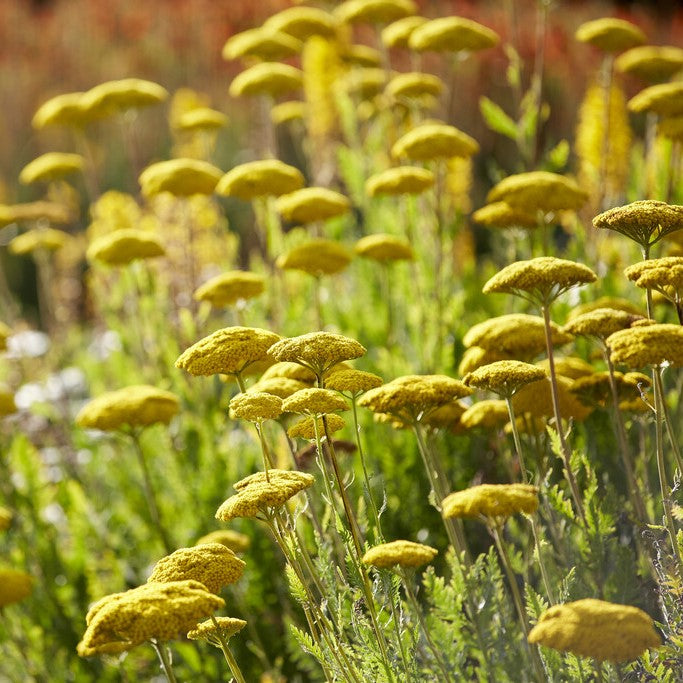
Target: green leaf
496,119
558,155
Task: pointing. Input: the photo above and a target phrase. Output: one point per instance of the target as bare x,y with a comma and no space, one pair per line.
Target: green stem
164,659
229,658
397,626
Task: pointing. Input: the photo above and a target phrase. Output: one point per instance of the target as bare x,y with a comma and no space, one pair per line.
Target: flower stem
165,660
229,658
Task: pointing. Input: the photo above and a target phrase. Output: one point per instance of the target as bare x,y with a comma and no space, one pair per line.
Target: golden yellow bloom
430,141
568,366
365,83
536,399
414,84
353,382
288,111
269,177
123,246
212,564
180,177
161,611
267,78
539,191
233,540
317,257
399,180
314,401
228,351
48,239
137,406
491,500
6,516
361,56
312,204
402,553
598,629
604,302
212,632
502,215
476,356
305,429
596,390
263,43
318,351
397,34
452,34
50,166
278,386
664,275
255,406
62,110
303,22
290,370
645,222
227,289
129,93
202,118
637,347
15,585
53,212
446,416
610,34
384,247
374,11
600,323
653,63
665,99
488,414
504,377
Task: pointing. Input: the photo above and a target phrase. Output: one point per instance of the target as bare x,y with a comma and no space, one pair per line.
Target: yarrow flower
233,540
402,553
536,399
303,22
111,97
610,34
289,370
123,246
228,288
397,34
278,386
430,141
267,78
600,323
665,99
314,402
47,239
268,177
664,275
15,586
414,84
399,180
263,43
284,112
312,204
180,177
502,215
504,377
596,389
656,345
594,628
352,382
306,428
50,166
201,119
488,414
539,191
317,257
653,63
374,11
255,406
492,501
452,34
382,247
212,630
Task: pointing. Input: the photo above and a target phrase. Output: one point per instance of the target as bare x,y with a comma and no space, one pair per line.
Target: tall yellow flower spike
403,553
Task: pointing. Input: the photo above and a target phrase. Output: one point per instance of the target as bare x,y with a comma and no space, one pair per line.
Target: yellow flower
374,11
314,402
488,414
267,78
162,611
303,22
476,356
212,564
255,406
399,180
62,110
604,302
305,429
502,215
50,166
269,177
491,500
504,377
202,118
312,204
353,382
665,275
290,370
637,347
288,111
229,351
596,390
227,289
397,34
402,553
434,141
600,323
598,629
114,96
653,63
212,631
263,43
384,247
610,34
536,399
180,177
15,585
53,212
568,366
362,56
232,540
414,84
539,191
665,99
5,518
317,257
48,239
138,406
446,416
452,34
123,246
323,68
278,386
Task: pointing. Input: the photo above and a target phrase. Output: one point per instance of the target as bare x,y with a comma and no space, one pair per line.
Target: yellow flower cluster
489,414
314,402
212,631
414,84
290,370
596,390
261,43
269,177
399,180
665,99
7,403
402,553
664,275
383,247
123,246
267,78
303,22
317,257
233,540
201,118
653,63
255,406
430,141
638,347
539,191
536,399
504,377
15,585
352,382
312,204
49,167
47,239
452,34
374,11
305,429
180,177
600,323
278,386
491,500
610,34
502,215
397,34
228,288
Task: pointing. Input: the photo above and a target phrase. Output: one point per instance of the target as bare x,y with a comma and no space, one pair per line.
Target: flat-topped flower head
539,191
314,401
49,167
613,302
352,382
201,119
265,178
452,34
290,370
568,366
62,110
664,275
54,212
536,399
38,239
540,280
290,478
303,22
397,34
374,11
255,406
446,416
430,141
262,43
228,288
594,628
414,84
316,257
383,247
665,99
399,180
306,428
120,247
364,83
285,112
596,390
600,323
645,222
651,345
652,63
217,629
111,97
212,564
502,215
362,56
488,414
504,377
232,540
180,177
476,356
229,351
491,501
312,204
267,78
406,554
610,34
133,406
15,586
160,611
278,386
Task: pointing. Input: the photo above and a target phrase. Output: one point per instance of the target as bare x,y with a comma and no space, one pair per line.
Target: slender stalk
608,74
229,658
164,660
397,626
267,458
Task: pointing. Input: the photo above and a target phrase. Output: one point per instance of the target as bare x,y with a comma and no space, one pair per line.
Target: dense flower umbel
491,500
255,406
414,84
303,22
638,347
383,247
261,43
201,119
662,274
653,63
180,177
430,141
397,34
312,204
269,177
600,323
233,540
352,382
502,215
610,34
135,406
504,377
290,370
604,302
267,78
476,356
278,386
596,390
50,166
536,399
539,191
15,585
399,180
123,246
212,564
62,110
228,288
305,429
374,11
111,97
568,366
491,414
162,611
665,99
452,34
314,402
598,629
402,553
317,257
227,351
212,631
47,239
